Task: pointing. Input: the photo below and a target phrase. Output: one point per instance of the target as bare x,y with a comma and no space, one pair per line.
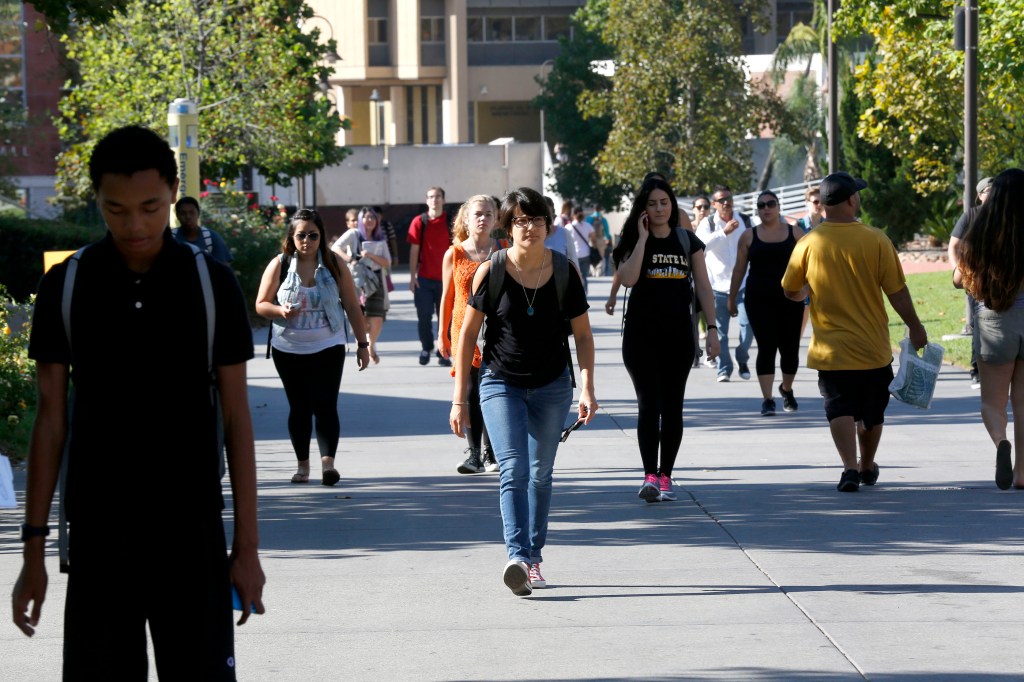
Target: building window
377,30
556,27
527,28
519,29
432,29
789,14
12,60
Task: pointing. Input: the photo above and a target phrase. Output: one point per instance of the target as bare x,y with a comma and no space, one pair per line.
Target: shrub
23,242
17,376
252,232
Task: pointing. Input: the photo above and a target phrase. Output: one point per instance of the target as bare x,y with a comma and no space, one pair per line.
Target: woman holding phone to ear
657,338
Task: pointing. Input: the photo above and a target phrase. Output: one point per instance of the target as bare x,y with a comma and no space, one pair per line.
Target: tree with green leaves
916,82
246,63
580,139
680,102
62,13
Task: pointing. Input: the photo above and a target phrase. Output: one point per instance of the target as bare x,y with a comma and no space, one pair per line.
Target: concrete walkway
761,570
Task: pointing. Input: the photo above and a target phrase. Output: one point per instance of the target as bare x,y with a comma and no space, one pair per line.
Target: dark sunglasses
771,203
723,200
570,429
701,207
311,236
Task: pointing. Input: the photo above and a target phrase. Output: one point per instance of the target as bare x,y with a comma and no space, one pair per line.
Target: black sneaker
850,481
443,361
472,465
788,400
768,408
869,477
975,380
490,464
744,371
424,357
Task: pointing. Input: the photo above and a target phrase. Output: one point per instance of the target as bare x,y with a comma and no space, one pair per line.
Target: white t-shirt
720,250
581,232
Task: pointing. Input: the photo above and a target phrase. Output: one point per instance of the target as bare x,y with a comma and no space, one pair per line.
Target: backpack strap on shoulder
207,239
69,290
497,277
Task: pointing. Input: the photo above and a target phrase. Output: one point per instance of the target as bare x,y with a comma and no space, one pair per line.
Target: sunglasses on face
771,203
723,200
701,207
311,236
816,201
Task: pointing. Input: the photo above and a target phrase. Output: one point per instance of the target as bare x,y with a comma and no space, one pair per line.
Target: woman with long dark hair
525,387
664,264
774,319
991,268
303,292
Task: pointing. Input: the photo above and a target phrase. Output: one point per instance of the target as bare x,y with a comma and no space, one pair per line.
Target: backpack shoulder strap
69,290
497,277
683,235
208,301
207,239
560,271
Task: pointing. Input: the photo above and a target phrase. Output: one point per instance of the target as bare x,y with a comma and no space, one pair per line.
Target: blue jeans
524,425
427,299
746,336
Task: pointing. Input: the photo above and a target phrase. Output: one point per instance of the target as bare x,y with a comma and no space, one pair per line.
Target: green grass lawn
941,309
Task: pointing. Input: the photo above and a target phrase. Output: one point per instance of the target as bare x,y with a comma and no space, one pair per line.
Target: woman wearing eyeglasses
774,319
525,387
303,292
657,338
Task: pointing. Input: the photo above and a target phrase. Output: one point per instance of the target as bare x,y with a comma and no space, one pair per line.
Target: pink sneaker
536,579
665,489
649,491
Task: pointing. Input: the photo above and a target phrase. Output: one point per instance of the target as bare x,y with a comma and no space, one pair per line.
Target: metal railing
791,200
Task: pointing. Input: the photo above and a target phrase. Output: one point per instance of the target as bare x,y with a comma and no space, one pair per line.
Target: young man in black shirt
143,490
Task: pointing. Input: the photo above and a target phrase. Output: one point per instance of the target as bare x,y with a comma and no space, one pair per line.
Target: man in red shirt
429,243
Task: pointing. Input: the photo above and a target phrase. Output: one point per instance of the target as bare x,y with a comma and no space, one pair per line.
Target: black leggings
311,383
776,322
477,428
659,376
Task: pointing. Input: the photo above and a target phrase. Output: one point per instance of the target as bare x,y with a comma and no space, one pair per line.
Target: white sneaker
517,578
722,378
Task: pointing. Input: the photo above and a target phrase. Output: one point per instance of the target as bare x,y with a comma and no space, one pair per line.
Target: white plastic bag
914,383
7,499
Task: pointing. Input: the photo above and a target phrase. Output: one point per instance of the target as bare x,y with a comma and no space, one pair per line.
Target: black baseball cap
838,187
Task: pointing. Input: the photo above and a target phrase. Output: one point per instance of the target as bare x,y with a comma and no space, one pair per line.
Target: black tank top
768,262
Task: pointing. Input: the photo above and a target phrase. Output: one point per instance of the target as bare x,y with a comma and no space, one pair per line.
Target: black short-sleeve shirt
660,300
964,222
528,350
142,419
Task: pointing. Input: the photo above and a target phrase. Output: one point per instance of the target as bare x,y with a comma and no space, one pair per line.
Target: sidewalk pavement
761,570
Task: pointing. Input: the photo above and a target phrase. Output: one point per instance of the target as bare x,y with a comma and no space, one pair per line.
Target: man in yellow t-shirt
845,266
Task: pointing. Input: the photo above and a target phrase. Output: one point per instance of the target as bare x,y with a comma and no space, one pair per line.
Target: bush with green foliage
23,242
252,232
17,375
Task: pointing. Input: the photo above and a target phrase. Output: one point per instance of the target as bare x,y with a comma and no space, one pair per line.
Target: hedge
22,244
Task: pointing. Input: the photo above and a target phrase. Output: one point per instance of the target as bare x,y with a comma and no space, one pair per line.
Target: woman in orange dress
472,246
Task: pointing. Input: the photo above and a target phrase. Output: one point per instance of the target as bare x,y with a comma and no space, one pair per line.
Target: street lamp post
375,139
833,93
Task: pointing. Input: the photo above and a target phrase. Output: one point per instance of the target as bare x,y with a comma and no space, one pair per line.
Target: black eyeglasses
525,222
311,236
570,429
771,203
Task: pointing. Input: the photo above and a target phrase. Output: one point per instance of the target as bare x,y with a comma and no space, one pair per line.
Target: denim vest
325,285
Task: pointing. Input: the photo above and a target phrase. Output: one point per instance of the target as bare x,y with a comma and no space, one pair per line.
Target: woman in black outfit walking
657,341
775,320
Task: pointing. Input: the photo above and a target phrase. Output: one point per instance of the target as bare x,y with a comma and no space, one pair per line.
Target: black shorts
859,393
175,579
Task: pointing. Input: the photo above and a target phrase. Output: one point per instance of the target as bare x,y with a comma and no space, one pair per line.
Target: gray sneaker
472,464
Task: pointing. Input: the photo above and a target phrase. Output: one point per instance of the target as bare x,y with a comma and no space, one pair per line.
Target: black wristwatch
28,531
363,344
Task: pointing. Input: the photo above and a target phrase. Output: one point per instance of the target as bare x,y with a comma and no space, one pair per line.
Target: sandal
331,476
300,477
1004,465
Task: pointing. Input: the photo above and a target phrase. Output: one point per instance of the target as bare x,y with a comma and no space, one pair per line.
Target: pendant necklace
540,273
475,256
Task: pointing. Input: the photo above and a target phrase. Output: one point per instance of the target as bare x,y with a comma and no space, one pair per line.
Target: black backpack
560,267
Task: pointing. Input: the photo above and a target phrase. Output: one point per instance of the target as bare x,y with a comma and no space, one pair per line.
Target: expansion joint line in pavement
781,589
